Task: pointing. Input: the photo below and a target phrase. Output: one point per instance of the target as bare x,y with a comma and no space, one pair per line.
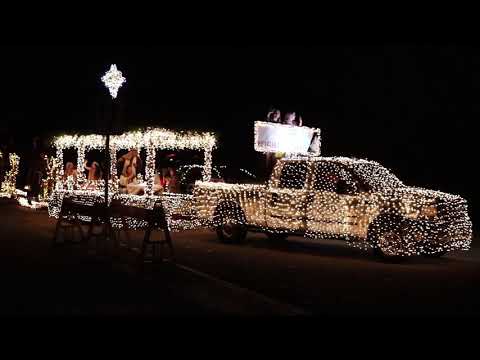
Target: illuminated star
113,80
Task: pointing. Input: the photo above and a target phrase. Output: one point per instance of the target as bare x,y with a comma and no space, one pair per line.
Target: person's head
69,166
129,170
273,114
276,115
270,113
289,117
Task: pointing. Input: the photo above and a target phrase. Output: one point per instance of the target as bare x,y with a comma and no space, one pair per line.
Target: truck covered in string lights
335,197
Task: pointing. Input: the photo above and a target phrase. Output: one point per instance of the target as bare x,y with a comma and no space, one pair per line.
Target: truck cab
322,196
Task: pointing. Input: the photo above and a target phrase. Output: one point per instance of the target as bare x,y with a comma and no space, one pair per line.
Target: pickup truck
342,198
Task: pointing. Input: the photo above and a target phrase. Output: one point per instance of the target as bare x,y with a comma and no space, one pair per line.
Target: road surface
297,277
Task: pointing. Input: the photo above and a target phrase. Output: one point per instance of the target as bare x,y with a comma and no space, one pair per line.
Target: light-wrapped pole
113,80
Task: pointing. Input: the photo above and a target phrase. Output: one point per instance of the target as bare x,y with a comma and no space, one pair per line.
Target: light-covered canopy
157,138
150,139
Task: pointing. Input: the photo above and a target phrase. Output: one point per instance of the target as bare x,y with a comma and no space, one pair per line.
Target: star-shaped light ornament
113,80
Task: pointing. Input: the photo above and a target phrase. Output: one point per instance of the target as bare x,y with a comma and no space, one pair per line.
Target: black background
412,107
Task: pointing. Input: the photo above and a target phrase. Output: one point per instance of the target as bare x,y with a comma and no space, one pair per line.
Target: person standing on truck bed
274,115
293,119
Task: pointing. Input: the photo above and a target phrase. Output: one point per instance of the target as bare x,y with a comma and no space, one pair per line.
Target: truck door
286,197
336,204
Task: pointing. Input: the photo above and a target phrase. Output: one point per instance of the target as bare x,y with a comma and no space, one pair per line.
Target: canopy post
80,160
113,165
150,169
207,166
60,172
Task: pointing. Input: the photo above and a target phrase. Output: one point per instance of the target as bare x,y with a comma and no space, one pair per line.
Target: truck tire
231,222
386,235
231,233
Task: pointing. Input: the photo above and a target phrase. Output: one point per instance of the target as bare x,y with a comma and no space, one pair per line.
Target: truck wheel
231,223
386,246
276,237
231,233
385,234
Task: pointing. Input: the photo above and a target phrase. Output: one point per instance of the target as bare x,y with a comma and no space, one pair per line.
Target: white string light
8,188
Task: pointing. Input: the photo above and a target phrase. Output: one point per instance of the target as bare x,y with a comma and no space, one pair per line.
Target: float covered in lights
356,200
317,197
151,139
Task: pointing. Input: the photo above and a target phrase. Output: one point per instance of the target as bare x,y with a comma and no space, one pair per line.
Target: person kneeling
128,182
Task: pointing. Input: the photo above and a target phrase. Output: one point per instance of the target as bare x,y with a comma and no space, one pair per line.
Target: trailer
177,205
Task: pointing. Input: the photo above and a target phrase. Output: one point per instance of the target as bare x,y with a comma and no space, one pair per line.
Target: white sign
273,137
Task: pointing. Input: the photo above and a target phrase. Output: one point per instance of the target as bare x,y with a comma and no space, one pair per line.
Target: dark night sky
413,108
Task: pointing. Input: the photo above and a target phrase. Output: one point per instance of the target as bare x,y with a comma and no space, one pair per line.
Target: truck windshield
376,177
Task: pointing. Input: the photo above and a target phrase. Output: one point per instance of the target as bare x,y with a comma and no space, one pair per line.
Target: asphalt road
259,277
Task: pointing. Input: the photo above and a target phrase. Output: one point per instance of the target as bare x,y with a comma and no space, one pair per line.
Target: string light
48,184
376,209
248,173
35,205
8,188
178,207
46,187
184,171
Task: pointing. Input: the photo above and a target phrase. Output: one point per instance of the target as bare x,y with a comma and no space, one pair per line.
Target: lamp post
113,80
